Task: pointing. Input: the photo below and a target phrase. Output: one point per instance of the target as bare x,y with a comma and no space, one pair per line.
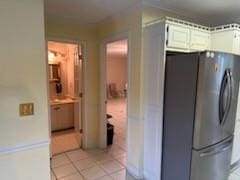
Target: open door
78,89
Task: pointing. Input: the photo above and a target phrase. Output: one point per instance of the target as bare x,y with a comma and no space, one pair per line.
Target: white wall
117,70
23,79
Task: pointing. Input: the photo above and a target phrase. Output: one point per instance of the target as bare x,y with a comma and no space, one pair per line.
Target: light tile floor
97,164
64,141
118,108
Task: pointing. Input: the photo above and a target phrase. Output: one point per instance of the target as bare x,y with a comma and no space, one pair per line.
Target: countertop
62,101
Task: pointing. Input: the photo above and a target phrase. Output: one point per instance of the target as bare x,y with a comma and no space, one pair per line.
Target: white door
178,37
78,90
199,40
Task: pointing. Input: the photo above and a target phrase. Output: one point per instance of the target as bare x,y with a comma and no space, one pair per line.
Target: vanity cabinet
62,116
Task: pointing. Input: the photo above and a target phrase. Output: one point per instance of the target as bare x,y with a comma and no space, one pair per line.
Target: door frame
103,82
84,87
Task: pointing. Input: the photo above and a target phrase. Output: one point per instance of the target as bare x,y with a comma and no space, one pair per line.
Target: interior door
78,90
216,102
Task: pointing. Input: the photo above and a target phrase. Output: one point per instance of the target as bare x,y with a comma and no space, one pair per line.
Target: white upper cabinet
199,40
226,41
178,37
236,42
186,38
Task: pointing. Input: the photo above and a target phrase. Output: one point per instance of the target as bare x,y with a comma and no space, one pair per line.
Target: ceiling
213,12
85,11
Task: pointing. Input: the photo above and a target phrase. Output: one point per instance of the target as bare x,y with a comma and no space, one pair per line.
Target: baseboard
235,166
23,147
134,171
149,175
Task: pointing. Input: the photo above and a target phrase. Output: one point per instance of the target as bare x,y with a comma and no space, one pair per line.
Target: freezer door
216,100
212,163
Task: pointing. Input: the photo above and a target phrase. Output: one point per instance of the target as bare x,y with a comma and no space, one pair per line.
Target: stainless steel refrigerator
201,92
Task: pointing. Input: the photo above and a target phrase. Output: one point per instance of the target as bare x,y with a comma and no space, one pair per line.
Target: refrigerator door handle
226,83
229,95
219,151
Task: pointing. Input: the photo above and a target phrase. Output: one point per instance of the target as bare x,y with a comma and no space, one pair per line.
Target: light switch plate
26,109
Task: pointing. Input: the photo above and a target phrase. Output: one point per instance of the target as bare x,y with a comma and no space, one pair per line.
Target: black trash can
110,134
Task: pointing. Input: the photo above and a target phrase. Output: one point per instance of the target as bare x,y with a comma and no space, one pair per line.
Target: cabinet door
199,40
178,37
236,42
54,125
65,116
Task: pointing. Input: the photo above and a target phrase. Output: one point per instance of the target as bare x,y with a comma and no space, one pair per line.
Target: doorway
65,70
117,57
114,98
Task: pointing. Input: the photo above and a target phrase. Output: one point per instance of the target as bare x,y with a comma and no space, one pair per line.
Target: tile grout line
75,166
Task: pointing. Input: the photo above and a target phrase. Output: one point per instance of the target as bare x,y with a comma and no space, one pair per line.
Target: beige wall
131,23
33,164
87,34
117,70
23,79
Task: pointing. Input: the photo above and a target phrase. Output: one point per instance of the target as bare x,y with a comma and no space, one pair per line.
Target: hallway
97,164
